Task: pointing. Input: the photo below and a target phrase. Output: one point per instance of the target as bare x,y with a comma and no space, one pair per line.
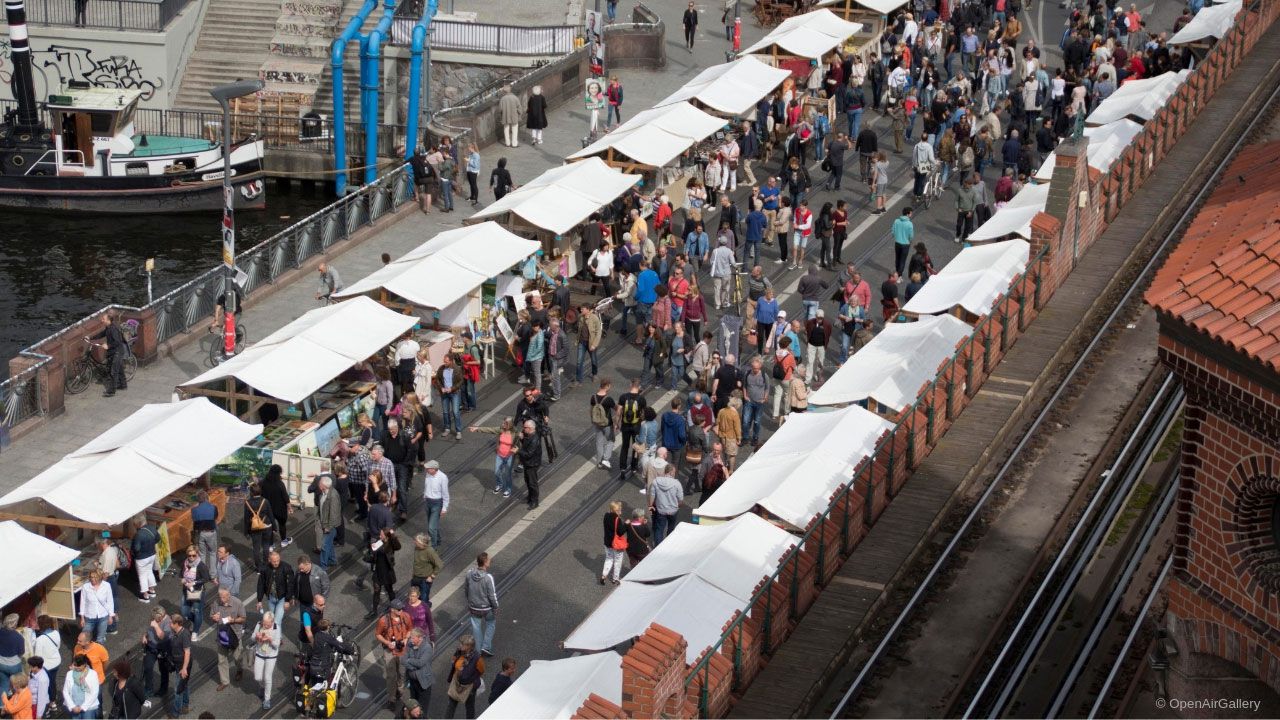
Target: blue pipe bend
415,76
337,53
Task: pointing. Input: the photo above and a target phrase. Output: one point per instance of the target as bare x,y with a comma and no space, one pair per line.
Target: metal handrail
147,15
490,38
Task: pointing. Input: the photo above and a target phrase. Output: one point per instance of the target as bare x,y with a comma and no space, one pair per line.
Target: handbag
457,691
619,541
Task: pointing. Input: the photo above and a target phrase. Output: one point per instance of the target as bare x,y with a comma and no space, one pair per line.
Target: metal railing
896,453
151,15
488,38
184,307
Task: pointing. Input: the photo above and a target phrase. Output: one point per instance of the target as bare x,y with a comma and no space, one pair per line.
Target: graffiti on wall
60,64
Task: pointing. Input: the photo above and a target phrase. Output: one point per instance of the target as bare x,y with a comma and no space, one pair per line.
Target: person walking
275,586
509,117
615,544
328,518
310,586
275,492
228,616
116,345
155,654
417,666
903,233
482,602
834,160
531,460
330,283
435,493
392,634
266,650
590,332
756,389
500,180
631,407
473,173
48,647
180,651
557,357
604,418
966,203
97,611
80,691
818,332
257,527
614,94
690,22
194,574
465,673
665,497
880,182
384,568
204,523
535,117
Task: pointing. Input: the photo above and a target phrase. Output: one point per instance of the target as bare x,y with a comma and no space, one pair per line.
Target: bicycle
932,189
216,348
89,367
319,697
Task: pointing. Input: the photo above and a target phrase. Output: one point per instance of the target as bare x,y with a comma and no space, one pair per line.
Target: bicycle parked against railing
94,365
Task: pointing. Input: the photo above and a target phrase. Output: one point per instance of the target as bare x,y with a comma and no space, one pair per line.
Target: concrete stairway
351,66
235,39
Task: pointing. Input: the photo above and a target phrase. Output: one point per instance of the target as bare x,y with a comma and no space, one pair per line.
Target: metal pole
224,94
149,266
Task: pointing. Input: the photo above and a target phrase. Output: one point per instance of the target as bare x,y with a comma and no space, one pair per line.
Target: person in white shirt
39,684
435,492
406,360
909,31
48,647
80,689
729,154
97,606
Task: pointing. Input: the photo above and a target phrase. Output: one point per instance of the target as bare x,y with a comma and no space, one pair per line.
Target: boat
89,159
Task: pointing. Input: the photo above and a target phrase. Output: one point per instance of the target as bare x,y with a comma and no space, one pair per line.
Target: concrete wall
149,61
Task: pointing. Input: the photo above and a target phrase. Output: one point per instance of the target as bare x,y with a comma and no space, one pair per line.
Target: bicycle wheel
79,377
347,685
130,367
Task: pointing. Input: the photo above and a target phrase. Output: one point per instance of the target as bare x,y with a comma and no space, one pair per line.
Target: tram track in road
973,519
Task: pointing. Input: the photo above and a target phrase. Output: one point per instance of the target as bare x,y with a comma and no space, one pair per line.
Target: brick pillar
148,334
598,708
653,673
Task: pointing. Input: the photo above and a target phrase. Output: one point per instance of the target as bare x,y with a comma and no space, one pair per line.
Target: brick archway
1253,489
1231,643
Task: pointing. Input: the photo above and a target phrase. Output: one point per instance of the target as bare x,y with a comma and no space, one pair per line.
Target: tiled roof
1223,278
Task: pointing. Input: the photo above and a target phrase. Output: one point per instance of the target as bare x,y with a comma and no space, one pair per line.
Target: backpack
631,412
599,417
779,372
818,335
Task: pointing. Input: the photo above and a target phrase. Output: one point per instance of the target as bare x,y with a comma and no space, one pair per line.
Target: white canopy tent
893,367
690,606
974,280
732,88
884,7
146,456
29,559
1213,21
733,556
562,197
1015,217
555,689
657,136
1139,98
794,474
298,359
1106,144
810,35
448,267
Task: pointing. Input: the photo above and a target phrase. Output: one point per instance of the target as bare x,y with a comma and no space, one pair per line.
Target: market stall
37,573
887,374
1015,217
653,139
555,689
1213,21
690,606
973,281
794,474
872,15
731,89
1141,99
802,39
733,556
303,374
1106,144
558,201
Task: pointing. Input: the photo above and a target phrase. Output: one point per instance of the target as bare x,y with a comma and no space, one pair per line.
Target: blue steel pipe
371,83
336,55
415,76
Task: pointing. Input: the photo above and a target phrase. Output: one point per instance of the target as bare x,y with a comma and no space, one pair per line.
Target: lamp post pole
224,94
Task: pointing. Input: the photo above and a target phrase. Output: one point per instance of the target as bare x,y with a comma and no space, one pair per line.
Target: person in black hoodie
384,569
531,459
126,692
258,507
274,490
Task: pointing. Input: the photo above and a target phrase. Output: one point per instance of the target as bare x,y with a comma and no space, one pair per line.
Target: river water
56,269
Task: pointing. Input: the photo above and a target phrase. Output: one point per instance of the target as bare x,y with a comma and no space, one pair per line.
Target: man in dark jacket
531,459
867,145
143,547
117,348
275,585
673,433
397,446
690,22
1010,151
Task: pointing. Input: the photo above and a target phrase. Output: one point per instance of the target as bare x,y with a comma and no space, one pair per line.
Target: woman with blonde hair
416,421
615,543
505,454
266,649
422,374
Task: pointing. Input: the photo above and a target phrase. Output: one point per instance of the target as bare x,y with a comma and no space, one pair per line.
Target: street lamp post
224,94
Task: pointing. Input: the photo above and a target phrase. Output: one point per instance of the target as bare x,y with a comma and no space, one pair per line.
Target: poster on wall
594,23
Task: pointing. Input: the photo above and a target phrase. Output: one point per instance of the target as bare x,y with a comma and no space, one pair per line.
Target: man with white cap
436,495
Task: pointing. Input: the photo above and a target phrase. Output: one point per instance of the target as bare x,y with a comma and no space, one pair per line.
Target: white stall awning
1016,216
733,556
1138,98
732,88
884,7
554,689
562,197
810,35
300,358
1106,144
1213,21
449,266
151,453
29,559
794,474
689,606
974,280
893,367
657,136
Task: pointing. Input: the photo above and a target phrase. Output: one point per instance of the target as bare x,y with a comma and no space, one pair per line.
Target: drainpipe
336,54
372,82
415,76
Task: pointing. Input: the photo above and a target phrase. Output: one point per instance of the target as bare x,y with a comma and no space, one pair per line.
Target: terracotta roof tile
1223,278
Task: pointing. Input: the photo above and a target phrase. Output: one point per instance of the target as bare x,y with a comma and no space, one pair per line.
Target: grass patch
1172,439
1138,502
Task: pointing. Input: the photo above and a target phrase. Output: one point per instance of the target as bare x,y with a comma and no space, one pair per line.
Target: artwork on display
504,328
164,549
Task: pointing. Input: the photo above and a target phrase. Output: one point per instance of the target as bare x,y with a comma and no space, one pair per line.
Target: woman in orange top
17,702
